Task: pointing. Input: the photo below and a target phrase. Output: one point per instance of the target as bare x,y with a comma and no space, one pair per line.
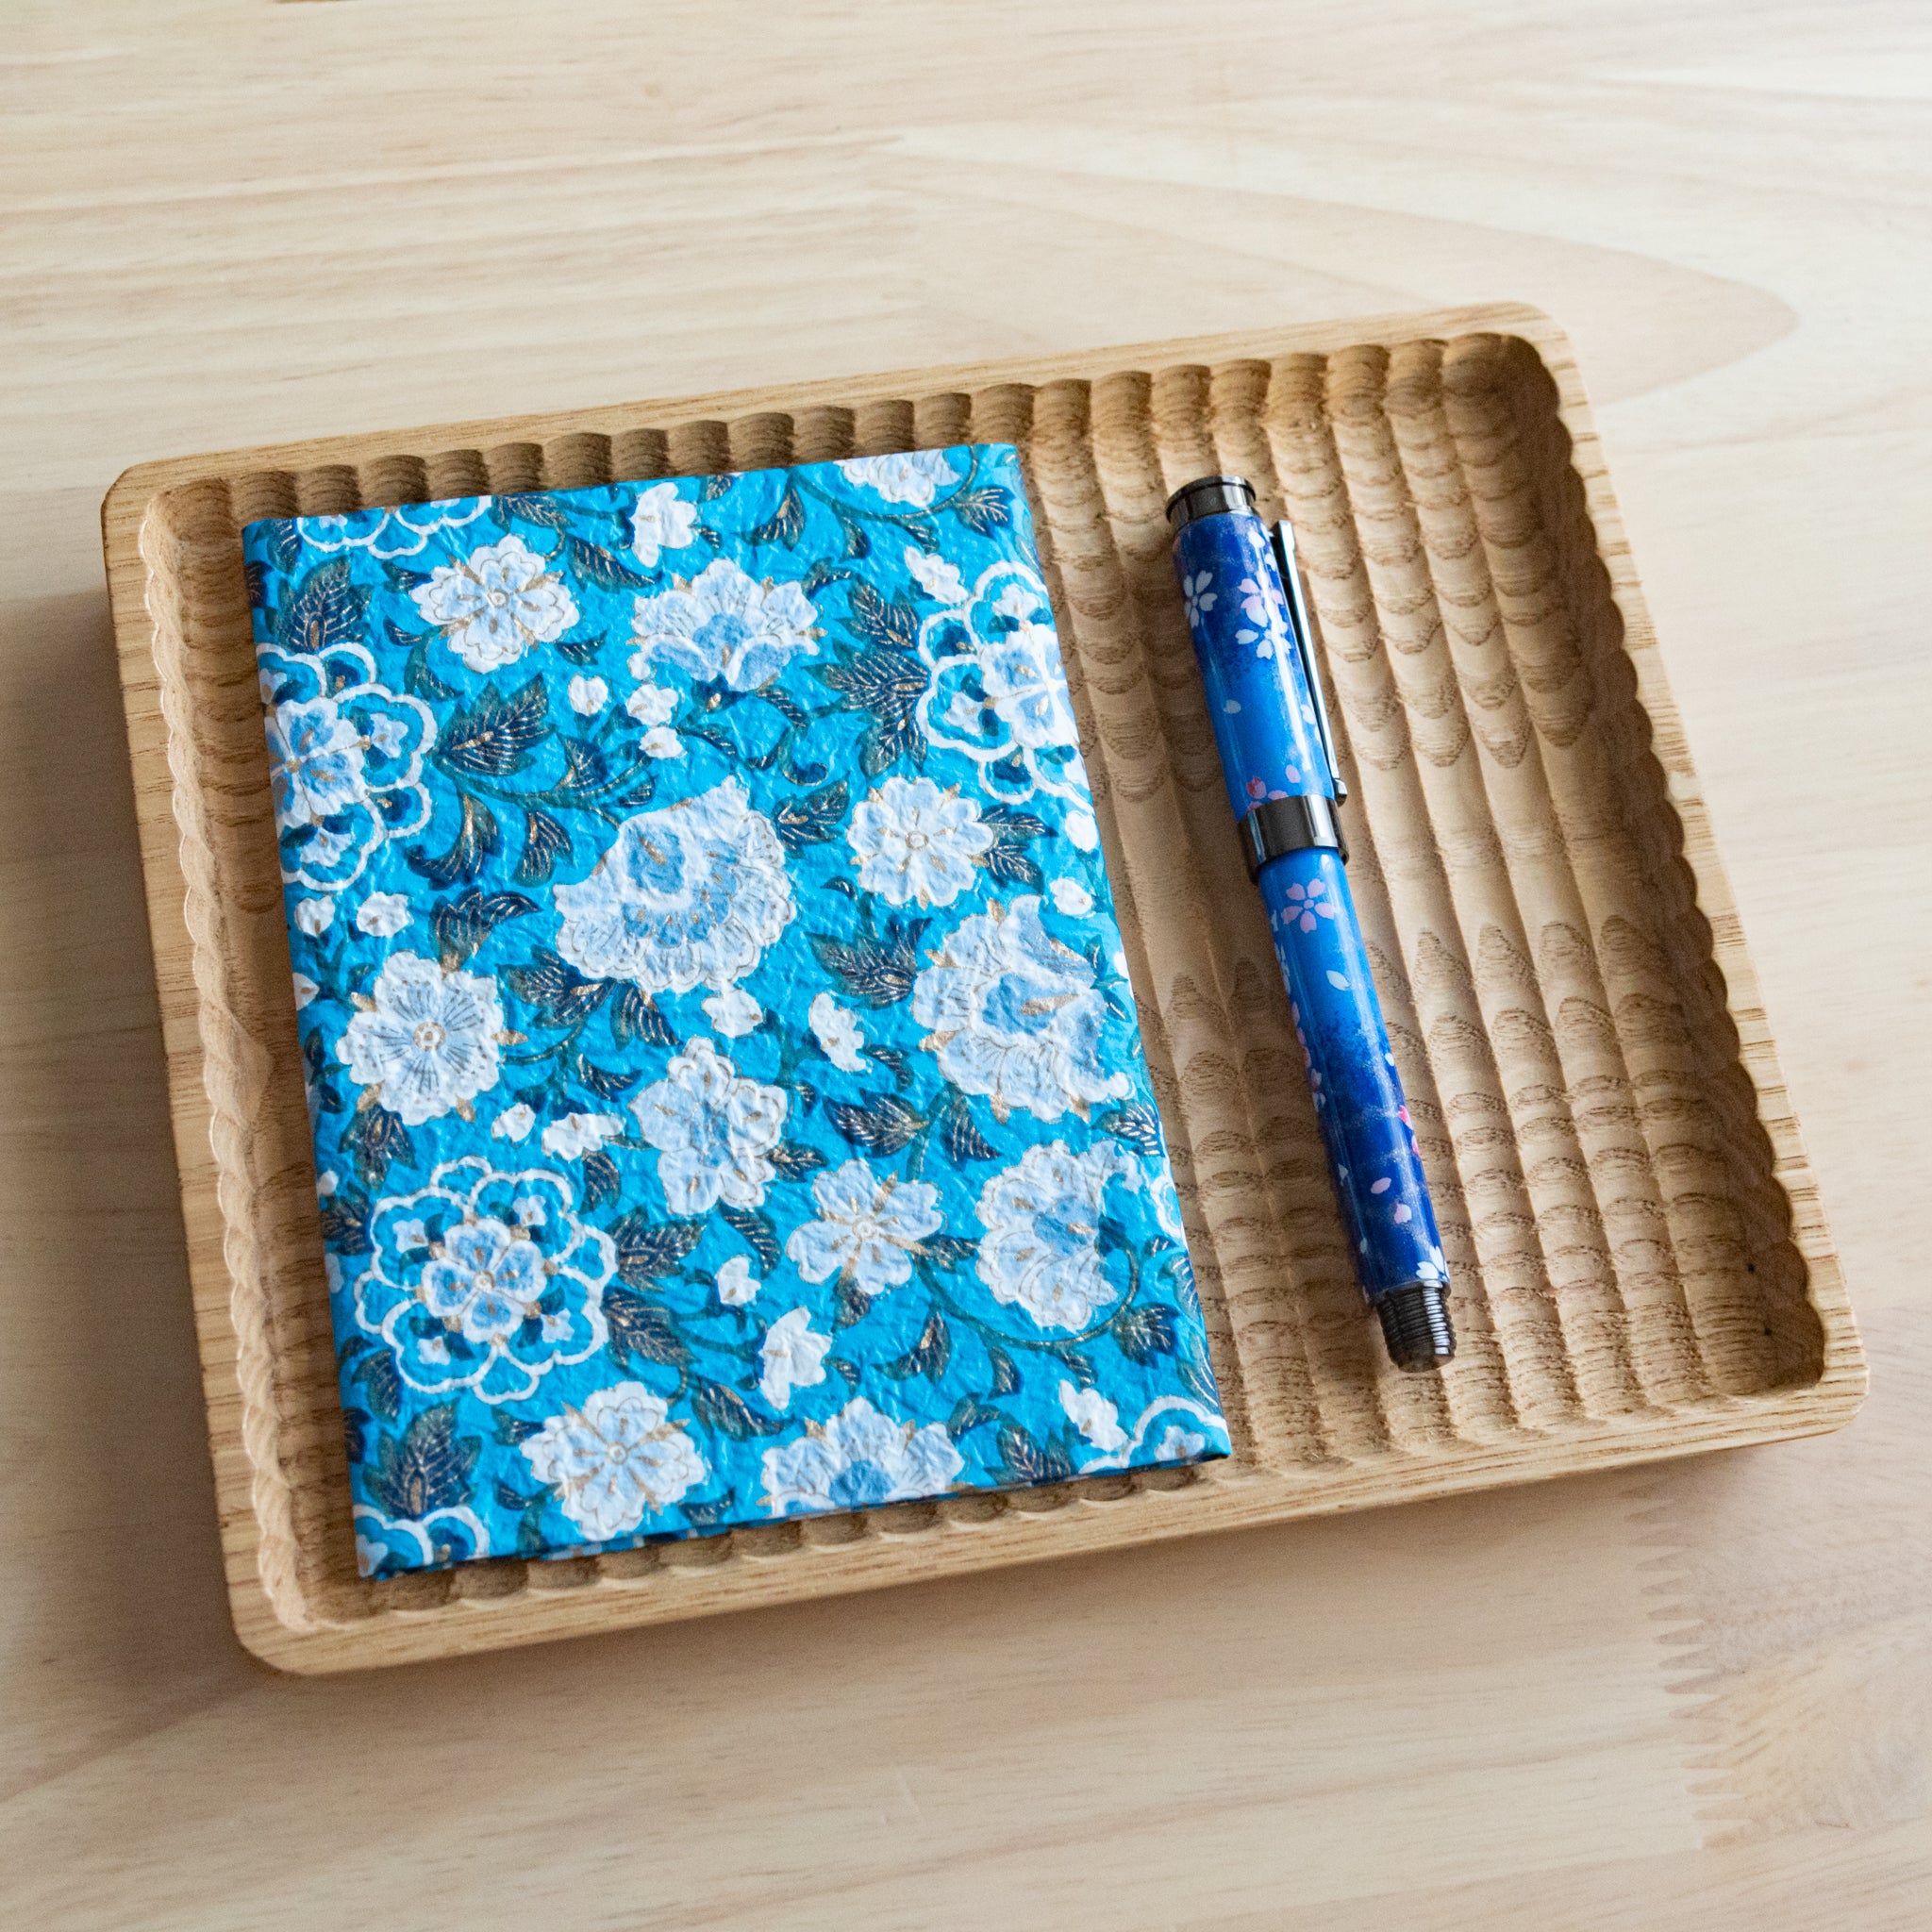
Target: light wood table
1699,1696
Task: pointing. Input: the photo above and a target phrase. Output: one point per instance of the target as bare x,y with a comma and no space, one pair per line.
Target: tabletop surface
1699,1695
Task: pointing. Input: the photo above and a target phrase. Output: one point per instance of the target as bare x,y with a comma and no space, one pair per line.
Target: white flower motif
427,1041
1071,897
661,521
688,896
867,1228
314,916
1081,829
615,1459
1042,1220
1198,596
588,695
315,763
661,742
713,1129
578,1134
332,1273
384,914
513,1123
736,1283
1015,1015
496,603
1095,1416
733,1012
306,990
345,761
472,1290
326,1183
935,575
1178,1444
793,1355
402,531
650,703
998,690
915,478
913,842
858,1458
726,625
484,1280
838,1032
1305,903
398,1543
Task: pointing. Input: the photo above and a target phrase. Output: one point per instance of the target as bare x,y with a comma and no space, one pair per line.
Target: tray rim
1233,1497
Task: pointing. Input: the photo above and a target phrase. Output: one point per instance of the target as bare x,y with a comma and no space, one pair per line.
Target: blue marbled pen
1254,638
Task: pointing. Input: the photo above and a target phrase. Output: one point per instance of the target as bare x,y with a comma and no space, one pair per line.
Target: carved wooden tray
1641,1265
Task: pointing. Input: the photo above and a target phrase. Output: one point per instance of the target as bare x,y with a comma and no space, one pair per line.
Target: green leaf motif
635,1015
647,1248
1143,1333
786,525
601,1182
794,1160
874,972
727,1412
511,1430
970,1413
928,1356
1023,1460
755,1230
813,819
642,1328
544,842
324,609
714,487
346,1222
356,1433
463,923
478,840
555,990
491,737
607,1083
599,567
1200,1383
425,1469
532,507
959,1139
888,684
1005,1377
372,1140
983,509
1137,1126
382,1382
882,1125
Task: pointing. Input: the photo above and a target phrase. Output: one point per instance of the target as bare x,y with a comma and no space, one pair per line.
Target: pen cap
1258,701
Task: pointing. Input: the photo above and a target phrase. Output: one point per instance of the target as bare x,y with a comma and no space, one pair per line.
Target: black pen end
1416,1326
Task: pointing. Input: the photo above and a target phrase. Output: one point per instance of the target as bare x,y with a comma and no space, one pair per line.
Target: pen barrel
1259,699
1376,1166
1265,727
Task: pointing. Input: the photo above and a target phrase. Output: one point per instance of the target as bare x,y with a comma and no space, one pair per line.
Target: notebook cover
728,1102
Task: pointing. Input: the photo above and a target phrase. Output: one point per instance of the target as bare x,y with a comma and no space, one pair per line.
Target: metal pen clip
1300,623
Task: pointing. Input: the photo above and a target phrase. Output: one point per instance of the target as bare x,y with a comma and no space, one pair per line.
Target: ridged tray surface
1641,1268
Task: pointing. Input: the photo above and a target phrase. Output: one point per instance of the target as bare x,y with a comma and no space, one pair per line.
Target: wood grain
1470,571
1694,1696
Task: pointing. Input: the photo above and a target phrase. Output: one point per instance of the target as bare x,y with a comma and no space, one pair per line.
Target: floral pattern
1016,1015
497,603
727,627
726,1086
688,896
484,1281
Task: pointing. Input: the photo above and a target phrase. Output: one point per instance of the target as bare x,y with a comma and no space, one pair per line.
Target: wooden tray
1641,1265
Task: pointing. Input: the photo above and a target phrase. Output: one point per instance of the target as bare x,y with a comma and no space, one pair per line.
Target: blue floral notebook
729,1102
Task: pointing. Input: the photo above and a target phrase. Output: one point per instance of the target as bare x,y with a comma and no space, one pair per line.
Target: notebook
727,1095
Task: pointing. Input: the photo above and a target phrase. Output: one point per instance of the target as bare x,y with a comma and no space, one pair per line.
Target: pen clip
1281,536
